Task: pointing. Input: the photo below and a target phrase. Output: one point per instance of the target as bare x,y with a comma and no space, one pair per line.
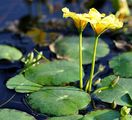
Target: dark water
11,10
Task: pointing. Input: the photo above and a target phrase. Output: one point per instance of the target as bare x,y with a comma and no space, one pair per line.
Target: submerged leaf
9,53
11,114
22,85
59,101
102,115
122,65
53,73
121,93
68,48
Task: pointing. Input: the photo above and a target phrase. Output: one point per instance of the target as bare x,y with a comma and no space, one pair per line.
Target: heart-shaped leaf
9,53
59,101
122,64
121,93
53,73
102,115
22,85
69,48
71,117
11,114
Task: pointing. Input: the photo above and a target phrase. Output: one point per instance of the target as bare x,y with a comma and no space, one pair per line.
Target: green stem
26,67
89,83
29,65
42,56
101,89
80,60
96,74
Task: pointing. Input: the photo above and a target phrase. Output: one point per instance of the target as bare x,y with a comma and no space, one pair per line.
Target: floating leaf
122,64
53,73
102,115
121,93
9,53
59,101
69,48
11,114
22,85
71,117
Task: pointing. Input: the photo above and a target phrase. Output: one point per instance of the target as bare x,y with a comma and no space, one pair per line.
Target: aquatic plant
80,21
99,24
51,86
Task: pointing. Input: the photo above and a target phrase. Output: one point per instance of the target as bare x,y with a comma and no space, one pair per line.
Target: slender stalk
101,89
1,105
80,60
42,56
32,63
89,83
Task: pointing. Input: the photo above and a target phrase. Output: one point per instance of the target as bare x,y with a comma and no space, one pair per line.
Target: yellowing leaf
38,36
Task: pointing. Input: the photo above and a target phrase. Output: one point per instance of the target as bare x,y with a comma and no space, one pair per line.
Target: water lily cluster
99,23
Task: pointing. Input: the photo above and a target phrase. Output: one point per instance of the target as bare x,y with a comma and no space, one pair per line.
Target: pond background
11,11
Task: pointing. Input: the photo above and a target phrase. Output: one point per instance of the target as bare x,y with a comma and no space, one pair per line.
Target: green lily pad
121,93
9,53
22,85
69,48
71,117
53,73
102,115
122,64
11,114
59,101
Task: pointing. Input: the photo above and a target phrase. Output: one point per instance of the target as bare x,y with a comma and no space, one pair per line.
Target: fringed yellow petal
99,28
95,15
80,20
100,23
65,9
67,13
113,22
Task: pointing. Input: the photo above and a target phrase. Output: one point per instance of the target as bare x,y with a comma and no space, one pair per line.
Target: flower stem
80,60
89,83
42,56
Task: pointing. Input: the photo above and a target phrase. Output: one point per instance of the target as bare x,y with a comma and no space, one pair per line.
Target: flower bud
115,81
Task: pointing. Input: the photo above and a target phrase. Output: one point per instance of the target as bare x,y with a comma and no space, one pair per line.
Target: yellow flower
100,23
93,14
123,11
80,20
112,22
